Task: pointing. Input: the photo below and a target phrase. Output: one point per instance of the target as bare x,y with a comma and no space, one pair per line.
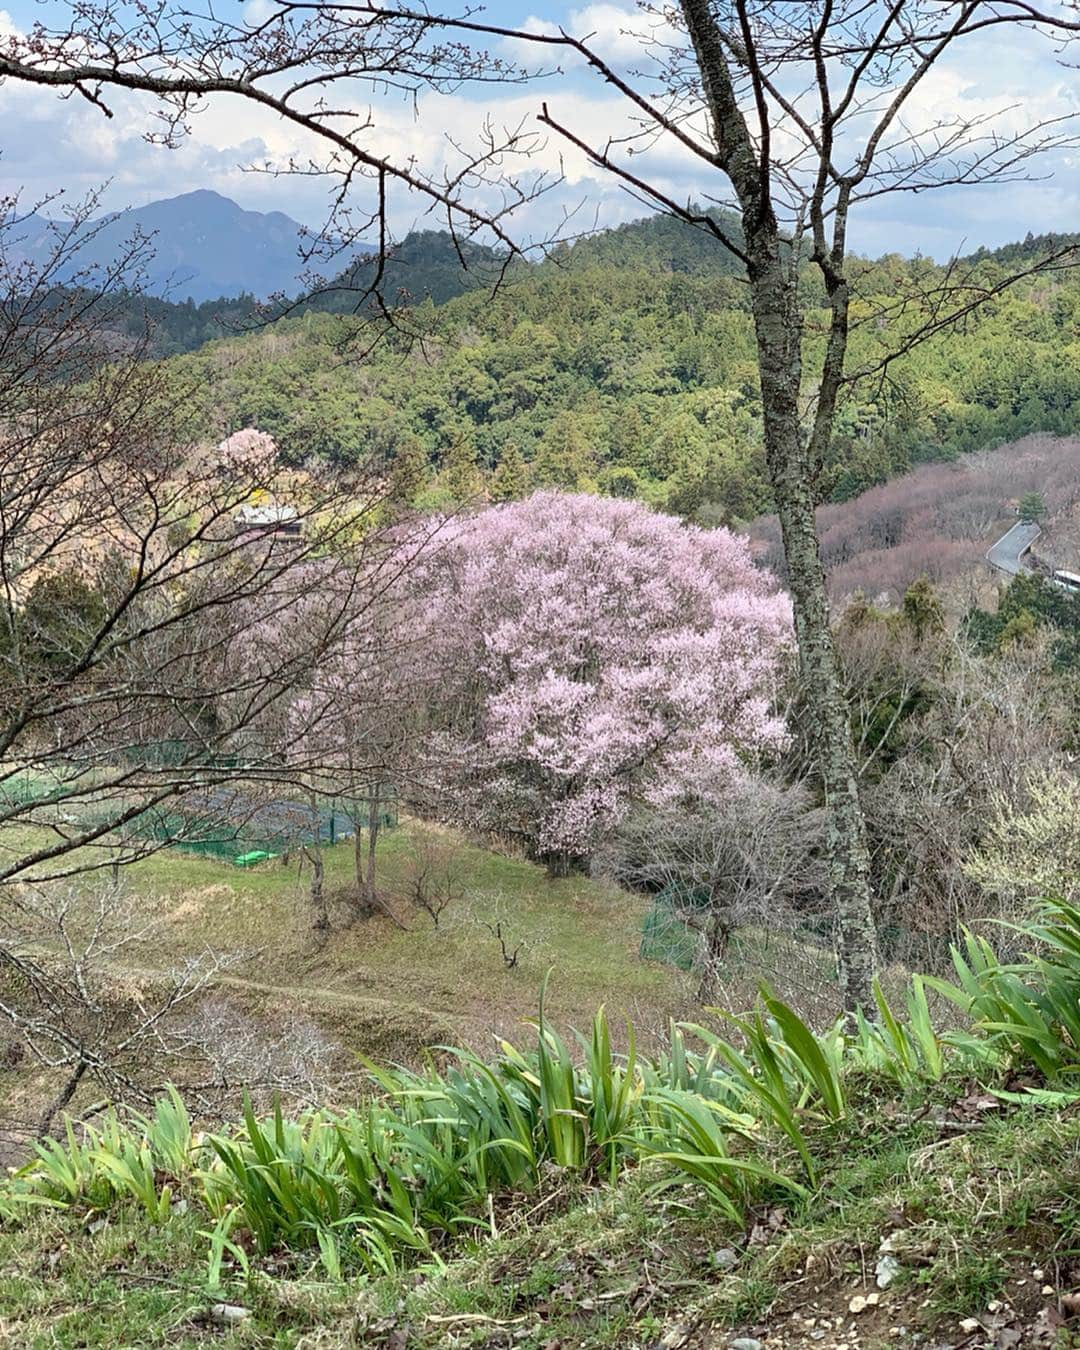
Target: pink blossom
592,652
248,453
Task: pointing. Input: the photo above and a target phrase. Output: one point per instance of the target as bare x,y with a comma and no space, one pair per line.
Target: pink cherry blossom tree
348,735
248,452
587,654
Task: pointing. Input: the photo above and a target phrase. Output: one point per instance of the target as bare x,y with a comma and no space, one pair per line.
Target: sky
48,144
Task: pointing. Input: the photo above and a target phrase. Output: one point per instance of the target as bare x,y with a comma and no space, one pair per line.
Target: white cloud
53,143
616,33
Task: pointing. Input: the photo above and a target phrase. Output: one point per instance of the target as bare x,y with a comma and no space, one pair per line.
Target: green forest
625,365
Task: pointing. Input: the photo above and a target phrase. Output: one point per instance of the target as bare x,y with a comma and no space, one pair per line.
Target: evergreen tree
511,479
681,441
628,439
922,611
620,481
61,617
461,475
564,459
408,469
1032,508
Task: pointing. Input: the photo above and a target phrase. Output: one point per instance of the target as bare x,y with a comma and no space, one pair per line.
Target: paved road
1007,555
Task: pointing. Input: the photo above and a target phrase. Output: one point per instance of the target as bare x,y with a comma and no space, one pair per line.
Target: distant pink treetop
248,452
592,653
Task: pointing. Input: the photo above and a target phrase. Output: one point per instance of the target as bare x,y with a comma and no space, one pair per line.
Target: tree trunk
559,863
373,838
318,895
792,463
718,931
62,1098
778,326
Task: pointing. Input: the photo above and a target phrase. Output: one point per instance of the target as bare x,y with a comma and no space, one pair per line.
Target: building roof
266,515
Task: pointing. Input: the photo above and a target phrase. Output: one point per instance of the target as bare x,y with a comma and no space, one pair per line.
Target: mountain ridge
204,246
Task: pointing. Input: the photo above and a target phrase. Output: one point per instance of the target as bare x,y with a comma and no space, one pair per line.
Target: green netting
664,935
681,895
68,785
165,753
267,830
26,788
224,823
253,858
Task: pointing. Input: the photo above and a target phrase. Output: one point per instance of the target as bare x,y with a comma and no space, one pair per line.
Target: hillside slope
614,370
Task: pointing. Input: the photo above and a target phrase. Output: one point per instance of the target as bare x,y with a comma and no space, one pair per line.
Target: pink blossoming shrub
592,653
248,453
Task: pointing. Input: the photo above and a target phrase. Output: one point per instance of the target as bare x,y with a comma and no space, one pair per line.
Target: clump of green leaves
419,1165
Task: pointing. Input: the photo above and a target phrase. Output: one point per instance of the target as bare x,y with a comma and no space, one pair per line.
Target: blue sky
47,144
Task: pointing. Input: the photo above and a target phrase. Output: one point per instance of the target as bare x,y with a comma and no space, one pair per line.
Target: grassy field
373,986
586,932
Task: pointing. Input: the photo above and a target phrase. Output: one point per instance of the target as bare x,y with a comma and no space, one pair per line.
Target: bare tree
153,633
100,1028
290,1057
753,866
130,580
792,116
433,875
356,718
509,947
948,741
78,1006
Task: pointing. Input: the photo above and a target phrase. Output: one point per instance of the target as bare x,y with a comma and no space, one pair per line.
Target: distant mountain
429,265
216,261
205,246
426,266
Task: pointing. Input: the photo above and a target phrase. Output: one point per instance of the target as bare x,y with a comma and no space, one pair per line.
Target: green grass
587,932
971,1214
129,1284
387,993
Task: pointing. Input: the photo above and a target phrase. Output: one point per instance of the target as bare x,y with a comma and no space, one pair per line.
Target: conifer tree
629,439
681,441
511,479
408,469
1032,508
564,459
461,475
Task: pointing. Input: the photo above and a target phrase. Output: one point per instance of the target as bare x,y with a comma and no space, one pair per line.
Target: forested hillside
627,366
938,520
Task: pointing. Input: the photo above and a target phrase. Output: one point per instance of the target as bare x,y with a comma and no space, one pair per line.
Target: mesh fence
26,788
665,934
166,754
230,824
227,825
43,787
